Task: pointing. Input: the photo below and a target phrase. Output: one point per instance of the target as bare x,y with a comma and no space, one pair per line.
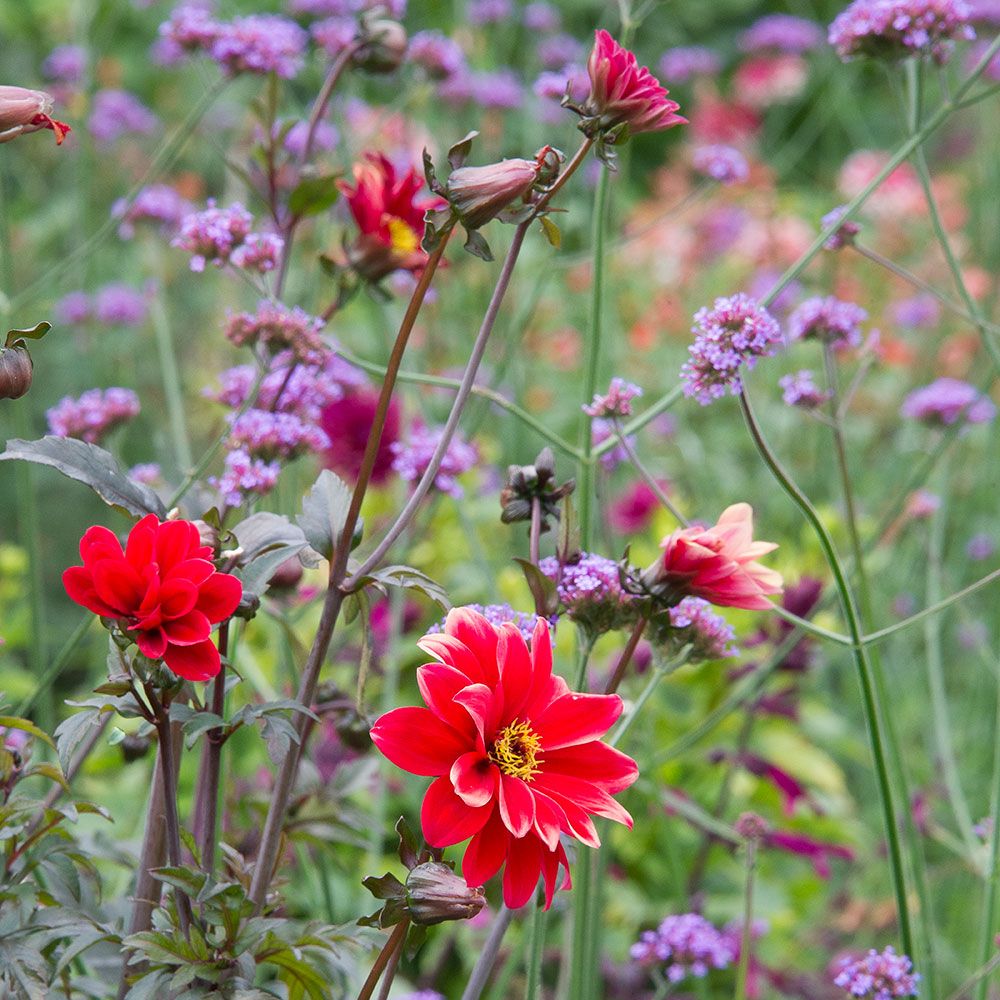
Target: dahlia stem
746,937
592,357
627,653
535,532
649,478
658,674
173,387
987,922
206,805
488,956
873,715
457,407
536,946
267,856
393,944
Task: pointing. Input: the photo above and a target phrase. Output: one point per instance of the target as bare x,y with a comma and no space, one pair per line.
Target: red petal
474,777
551,861
515,669
152,642
483,705
578,823
174,543
141,542
117,584
550,819
80,587
177,598
517,805
438,685
479,635
577,718
219,596
524,867
99,542
446,819
195,571
199,662
587,796
186,631
596,762
456,654
486,851
416,740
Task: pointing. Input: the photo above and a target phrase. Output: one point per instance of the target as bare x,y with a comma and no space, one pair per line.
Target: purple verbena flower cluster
920,312
277,328
267,435
731,335
215,236
828,319
980,546
687,944
439,56
696,623
112,305
243,474
899,28
334,34
947,400
801,390
781,33
159,204
412,458
724,164
147,473
602,430
685,62
590,590
541,17
259,252
879,975
93,415
116,113
481,12
65,64
499,614
616,402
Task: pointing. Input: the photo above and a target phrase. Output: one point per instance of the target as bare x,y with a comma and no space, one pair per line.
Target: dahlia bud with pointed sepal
526,483
383,46
23,111
15,372
434,894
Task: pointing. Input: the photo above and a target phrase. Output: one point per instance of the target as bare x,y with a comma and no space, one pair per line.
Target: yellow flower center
402,236
515,751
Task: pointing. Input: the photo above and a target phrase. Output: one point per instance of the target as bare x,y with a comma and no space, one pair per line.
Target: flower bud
134,747
15,371
526,483
23,111
434,893
287,575
750,826
384,46
479,194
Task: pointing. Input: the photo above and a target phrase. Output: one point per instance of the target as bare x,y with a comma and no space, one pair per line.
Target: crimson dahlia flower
623,92
163,591
516,756
719,563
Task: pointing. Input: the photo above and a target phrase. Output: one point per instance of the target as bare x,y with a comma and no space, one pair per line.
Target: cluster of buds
508,191
16,366
431,894
381,43
528,485
23,111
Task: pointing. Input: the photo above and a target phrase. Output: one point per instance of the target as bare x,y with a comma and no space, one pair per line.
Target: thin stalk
979,979
649,478
206,806
592,356
657,675
488,956
56,667
173,390
873,715
389,949
746,938
535,531
636,424
627,653
267,856
390,974
536,947
991,890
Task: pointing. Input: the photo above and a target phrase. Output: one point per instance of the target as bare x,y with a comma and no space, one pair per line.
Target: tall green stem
987,922
173,389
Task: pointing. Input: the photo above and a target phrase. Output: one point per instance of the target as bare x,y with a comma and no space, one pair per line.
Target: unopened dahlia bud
434,893
23,111
208,534
287,575
526,483
134,747
384,46
479,194
15,372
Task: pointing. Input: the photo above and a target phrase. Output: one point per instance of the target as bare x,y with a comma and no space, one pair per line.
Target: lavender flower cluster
500,614
828,319
412,458
685,62
687,944
269,435
782,33
112,305
946,401
277,328
115,113
724,164
158,204
879,975
899,28
590,590
222,236
844,234
616,402
711,637
799,389
731,335
93,415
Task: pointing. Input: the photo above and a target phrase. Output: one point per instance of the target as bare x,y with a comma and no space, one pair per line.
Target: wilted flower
623,95
734,333
516,756
480,194
719,563
829,320
724,164
15,371
412,458
801,390
23,111
528,483
685,944
94,415
946,401
162,591
879,975
434,894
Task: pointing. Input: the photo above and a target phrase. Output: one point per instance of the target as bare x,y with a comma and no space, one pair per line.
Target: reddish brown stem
626,657
394,943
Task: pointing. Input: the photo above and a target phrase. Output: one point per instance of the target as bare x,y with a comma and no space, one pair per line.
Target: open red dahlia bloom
516,755
163,590
719,563
623,92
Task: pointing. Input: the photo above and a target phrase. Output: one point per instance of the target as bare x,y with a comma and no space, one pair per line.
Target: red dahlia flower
718,563
623,92
516,756
389,216
163,590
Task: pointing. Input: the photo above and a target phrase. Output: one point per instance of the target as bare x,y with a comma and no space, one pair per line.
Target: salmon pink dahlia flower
163,591
623,93
516,756
719,563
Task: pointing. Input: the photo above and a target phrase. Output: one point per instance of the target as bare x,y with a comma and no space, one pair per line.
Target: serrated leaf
313,195
324,512
92,466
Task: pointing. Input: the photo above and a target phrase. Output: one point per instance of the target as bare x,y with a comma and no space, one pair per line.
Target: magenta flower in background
73,308
828,319
897,28
93,415
120,305
724,164
946,401
158,204
782,33
633,511
243,474
817,851
730,336
685,62
412,458
800,390
259,43
347,422
984,12
616,402
687,945
879,975
116,113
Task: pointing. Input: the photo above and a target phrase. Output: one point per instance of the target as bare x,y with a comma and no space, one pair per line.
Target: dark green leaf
313,195
35,333
324,512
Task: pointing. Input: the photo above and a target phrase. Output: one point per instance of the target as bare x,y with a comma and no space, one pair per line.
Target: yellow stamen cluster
515,751
403,236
